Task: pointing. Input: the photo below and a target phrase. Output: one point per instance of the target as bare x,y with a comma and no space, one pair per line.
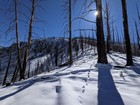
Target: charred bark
126,34
102,58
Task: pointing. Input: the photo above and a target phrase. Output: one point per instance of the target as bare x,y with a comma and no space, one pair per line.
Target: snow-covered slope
84,83
41,51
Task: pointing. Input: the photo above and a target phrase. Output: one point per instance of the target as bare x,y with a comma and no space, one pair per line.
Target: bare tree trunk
102,58
17,37
0,65
93,43
29,40
15,72
113,36
134,51
126,34
81,42
118,40
138,12
56,55
29,69
8,66
137,33
76,47
70,32
107,19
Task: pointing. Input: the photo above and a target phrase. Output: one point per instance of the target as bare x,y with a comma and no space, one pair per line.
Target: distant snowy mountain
44,48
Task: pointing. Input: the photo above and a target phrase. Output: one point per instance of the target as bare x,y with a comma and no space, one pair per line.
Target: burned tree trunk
17,37
137,33
126,34
102,58
107,21
113,36
15,73
56,53
0,65
8,66
81,42
138,12
70,32
29,40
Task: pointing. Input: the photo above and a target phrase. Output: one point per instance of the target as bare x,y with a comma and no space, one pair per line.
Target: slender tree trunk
134,44
0,65
138,13
17,37
56,55
107,18
29,69
29,40
137,33
118,40
102,58
113,36
81,42
15,71
126,34
70,32
76,47
93,43
8,66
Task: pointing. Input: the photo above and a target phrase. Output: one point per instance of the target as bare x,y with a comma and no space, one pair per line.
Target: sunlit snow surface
84,83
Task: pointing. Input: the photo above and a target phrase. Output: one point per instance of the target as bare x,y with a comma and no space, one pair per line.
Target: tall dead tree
107,22
137,33
134,51
76,46
0,65
113,36
102,58
138,12
81,42
126,34
56,54
13,79
67,9
8,66
29,39
17,36
70,32
118,41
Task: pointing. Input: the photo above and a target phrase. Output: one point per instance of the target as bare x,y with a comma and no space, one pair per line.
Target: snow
84,83
36,61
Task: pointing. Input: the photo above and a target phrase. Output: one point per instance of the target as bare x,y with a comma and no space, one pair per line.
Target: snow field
84,83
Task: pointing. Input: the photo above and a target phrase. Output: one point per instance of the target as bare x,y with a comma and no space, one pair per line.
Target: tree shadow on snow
114,60
20,88
22,85
136,68
119,56
107,92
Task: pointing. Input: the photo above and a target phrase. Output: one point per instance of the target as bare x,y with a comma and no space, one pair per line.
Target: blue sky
51,19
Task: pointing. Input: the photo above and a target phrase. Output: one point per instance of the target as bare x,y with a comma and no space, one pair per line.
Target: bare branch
85,20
